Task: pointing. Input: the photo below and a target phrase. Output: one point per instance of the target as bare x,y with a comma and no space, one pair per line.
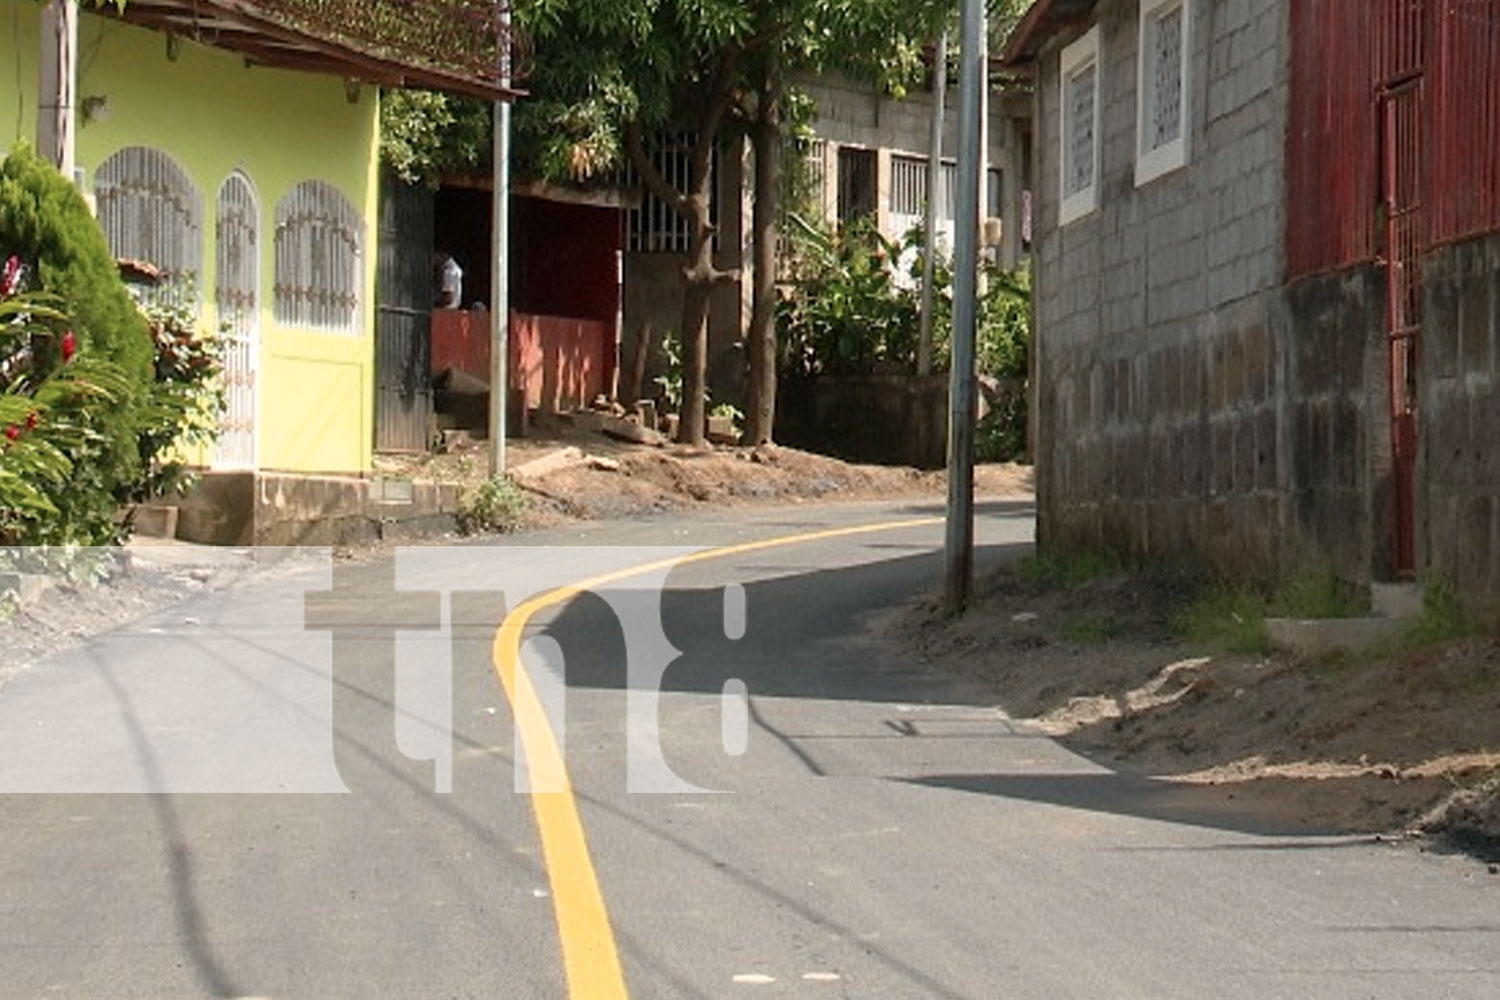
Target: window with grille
150,211
908,195
655,227
1079,127
1161,123
908,185
319,249
809,195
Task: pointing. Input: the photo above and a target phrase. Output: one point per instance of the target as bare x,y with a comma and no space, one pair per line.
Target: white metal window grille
319,247
947,193
815,169
805,195
655,227
150,211
1161,122
1079,95
236,296
908,206
1080,167
908,186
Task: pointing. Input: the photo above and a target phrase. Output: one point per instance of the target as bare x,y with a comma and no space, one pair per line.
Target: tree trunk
760,404
699,278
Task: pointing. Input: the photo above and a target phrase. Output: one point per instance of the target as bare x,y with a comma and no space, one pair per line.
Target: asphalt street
315,784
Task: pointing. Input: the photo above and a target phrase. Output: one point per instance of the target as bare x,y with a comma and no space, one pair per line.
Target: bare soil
639,479
1404,743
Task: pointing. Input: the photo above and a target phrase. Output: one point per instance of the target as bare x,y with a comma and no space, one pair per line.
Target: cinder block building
1268,283
868,159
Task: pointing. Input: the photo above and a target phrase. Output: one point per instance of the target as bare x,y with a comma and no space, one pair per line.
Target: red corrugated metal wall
1333,175
1344,53
1463,87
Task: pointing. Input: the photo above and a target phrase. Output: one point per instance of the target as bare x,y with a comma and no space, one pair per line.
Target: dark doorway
856,184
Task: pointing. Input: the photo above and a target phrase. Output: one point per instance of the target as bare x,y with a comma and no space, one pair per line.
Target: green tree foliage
613,74
424,135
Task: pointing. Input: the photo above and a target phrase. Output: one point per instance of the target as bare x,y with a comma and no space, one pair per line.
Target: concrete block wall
1338,477
1458,472
1163,333
853,114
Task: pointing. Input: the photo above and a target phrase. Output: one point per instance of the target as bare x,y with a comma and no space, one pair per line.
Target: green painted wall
215,115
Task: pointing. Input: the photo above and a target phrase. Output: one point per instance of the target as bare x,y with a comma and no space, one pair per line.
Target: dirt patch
646,479
1406,741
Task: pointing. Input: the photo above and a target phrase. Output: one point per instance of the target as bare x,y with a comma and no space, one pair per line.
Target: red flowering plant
187,396
45,389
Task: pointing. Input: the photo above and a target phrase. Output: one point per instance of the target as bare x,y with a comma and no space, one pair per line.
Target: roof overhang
454,46
1043,20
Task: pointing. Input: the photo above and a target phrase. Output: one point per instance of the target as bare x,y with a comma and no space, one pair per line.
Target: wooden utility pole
55,120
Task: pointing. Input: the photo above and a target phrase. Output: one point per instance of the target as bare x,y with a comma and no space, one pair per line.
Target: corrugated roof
1045,19
448,45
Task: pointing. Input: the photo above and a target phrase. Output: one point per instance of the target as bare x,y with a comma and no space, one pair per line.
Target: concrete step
1321,636
155,520
1400,601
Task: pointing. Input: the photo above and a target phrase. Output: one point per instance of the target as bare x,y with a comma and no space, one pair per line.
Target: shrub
846,314
495,505
46,430
1443,616
45,224
187,395
849,313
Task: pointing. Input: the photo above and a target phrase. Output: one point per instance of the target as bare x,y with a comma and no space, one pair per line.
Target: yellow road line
591,960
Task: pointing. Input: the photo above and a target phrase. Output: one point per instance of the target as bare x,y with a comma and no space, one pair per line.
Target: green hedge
46,223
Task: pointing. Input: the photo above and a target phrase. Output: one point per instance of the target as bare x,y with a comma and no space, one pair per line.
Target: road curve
868,831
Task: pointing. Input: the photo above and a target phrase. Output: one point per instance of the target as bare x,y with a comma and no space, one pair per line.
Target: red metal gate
1401,135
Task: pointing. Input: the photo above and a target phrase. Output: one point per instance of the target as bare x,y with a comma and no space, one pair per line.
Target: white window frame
1076,58
1173,154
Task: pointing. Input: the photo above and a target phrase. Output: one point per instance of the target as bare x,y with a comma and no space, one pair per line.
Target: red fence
561,363
1463,86
1344,55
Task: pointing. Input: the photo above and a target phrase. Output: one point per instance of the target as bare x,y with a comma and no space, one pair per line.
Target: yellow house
234,145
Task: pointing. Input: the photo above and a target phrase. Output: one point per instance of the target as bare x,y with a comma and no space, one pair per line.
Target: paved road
876,834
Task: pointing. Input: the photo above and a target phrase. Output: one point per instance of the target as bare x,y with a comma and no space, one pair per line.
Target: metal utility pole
959,547
500,265
55,120
934,191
